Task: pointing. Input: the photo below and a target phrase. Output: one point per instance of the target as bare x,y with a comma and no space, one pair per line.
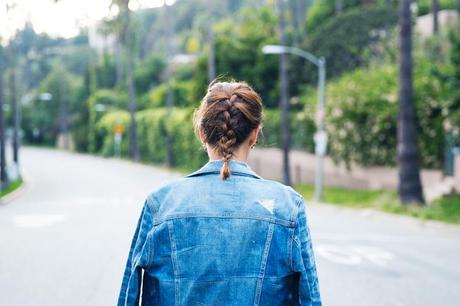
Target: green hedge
153,124
361,115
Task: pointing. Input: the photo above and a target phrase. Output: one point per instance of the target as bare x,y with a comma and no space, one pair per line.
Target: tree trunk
301,17
14,107
118,61
170,74
3,178
284,91
211,56
410,187
132,106
435,11
338,6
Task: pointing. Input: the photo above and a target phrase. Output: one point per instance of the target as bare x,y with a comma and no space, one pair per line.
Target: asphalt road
64,240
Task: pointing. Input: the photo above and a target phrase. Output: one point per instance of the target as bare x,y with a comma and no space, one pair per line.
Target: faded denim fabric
204,241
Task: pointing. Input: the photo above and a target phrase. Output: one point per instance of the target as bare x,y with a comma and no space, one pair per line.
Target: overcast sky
59,19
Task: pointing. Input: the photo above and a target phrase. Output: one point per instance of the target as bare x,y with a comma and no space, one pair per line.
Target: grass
446,209
11,187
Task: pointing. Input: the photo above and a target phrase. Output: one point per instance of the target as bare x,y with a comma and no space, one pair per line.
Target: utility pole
284,91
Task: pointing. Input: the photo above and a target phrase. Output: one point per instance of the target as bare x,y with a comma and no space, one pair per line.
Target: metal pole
321,141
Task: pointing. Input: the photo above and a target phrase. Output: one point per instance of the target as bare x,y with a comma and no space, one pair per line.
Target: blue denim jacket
204,241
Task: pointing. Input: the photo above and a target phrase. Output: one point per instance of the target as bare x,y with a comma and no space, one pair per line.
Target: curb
5,200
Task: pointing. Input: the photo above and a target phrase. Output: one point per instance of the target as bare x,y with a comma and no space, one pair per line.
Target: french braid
227,115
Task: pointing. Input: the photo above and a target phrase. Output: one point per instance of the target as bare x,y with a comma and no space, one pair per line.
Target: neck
240,154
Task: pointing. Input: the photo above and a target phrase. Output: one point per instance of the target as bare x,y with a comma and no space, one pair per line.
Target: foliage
424,6
148,73
182,93
12,186
99,102
154,124
362,111
446,209
344,40
239,54
301,126
44,117
361,116
152,127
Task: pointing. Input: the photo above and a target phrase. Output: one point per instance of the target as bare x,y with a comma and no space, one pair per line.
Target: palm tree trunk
169,22
211,55
338,6
132,106
284,90
14,107
3,178
435,11
410,187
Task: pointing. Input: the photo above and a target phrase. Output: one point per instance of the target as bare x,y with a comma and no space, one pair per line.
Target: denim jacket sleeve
304,260
138,258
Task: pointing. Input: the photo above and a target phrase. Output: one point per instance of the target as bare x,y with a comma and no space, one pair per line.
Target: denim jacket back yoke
203,241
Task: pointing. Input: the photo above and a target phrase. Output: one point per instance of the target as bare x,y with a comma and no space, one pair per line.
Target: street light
320,137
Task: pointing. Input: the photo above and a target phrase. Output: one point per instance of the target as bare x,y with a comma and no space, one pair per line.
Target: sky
61,19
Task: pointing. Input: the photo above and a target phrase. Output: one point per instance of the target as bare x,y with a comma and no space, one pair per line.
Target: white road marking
38,220
354,255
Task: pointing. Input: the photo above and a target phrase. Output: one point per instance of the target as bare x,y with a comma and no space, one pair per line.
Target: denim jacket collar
236,167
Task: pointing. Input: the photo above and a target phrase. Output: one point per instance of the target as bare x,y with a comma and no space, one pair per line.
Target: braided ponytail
227,115
227,142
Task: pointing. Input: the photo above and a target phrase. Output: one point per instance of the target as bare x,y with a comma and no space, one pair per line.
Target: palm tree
284,88
435,11
3,179
338,6
124,19
410,187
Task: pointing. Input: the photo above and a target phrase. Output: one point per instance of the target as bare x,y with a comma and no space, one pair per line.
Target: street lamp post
320,137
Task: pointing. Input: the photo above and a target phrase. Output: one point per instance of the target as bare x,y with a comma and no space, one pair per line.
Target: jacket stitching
223,216
264,263
218,172
291,238
174,262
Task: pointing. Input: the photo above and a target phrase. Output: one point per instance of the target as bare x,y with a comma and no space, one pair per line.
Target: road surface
65,237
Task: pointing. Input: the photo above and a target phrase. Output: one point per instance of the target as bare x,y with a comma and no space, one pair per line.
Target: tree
169,23
435,11
284,90
127,39
3,178
338,6
410,187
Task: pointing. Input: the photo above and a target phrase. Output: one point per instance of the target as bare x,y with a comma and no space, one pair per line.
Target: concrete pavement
64,241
